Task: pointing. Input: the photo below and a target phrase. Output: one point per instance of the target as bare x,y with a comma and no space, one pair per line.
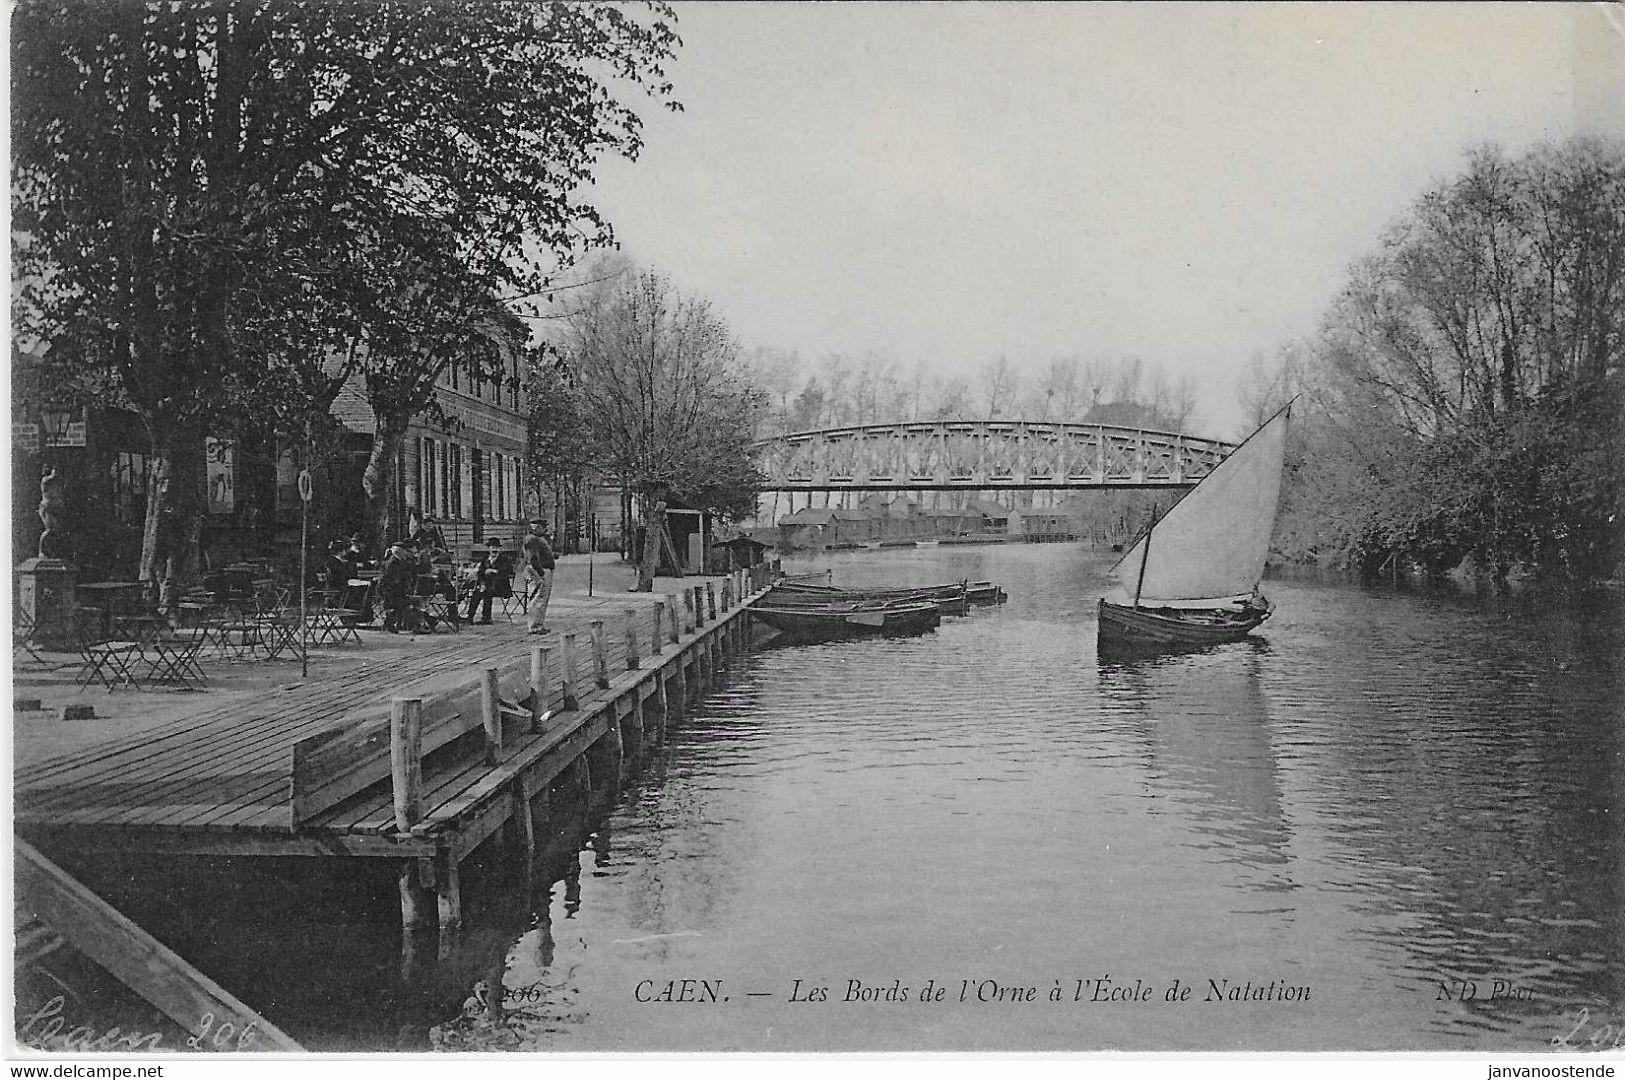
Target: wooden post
600,655
448,891
571,675
491,706
699,606
632,730
540,665
727,593
632,639
604,757
660,628
541,809
416,911
522,829
406,760
681,678
688,609
659,700
671,613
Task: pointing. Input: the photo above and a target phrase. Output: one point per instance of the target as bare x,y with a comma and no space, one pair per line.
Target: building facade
468,479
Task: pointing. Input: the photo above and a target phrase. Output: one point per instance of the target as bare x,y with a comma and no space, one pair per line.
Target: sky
1187,183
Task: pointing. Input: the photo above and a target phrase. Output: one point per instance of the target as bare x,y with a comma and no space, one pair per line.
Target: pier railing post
600,656
540,692
571,673
406,760
632,660
688,610
699,606
660,627
710,602
671,613
727,593
491,708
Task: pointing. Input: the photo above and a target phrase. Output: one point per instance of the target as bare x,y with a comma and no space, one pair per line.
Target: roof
989,509
743,542
352,409
842,514
808,516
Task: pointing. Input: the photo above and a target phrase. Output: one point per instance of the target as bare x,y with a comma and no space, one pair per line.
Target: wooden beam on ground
140,961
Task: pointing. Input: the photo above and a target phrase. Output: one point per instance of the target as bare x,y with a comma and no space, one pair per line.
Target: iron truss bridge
984,454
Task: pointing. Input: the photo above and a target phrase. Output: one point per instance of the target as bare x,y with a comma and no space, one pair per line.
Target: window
487,488
454,488
455,374
428,474
515,384
500,502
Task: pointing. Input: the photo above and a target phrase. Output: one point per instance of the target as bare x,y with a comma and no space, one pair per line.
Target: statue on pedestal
51,510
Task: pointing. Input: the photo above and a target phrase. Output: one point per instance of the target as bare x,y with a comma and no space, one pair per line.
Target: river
1390,822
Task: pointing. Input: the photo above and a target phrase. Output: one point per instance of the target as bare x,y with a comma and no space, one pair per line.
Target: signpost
306,490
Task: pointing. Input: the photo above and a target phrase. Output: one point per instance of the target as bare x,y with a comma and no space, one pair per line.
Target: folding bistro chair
103,658
172,657
23,630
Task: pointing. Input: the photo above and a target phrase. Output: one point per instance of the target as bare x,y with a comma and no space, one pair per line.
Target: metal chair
23,636
103,657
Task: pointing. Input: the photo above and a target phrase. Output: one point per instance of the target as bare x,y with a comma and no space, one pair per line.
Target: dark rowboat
949,599
842,621
949,596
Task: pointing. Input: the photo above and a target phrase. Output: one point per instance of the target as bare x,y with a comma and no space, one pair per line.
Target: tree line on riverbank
1461,403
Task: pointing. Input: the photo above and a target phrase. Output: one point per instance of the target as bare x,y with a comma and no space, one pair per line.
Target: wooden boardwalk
419,758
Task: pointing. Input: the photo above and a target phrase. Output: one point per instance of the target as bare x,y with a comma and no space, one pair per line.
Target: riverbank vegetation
1461,404
646,387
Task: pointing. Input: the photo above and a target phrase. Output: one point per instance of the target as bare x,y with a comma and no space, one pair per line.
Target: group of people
419,565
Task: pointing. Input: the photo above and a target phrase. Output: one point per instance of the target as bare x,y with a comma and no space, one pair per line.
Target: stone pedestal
45,593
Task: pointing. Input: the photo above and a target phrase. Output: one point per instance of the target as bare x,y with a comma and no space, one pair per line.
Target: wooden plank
233,842
336,764
170,784
140,961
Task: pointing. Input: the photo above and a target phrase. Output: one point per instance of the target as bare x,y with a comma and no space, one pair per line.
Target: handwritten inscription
43,1030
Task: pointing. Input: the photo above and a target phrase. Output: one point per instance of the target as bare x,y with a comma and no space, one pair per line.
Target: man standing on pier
539,567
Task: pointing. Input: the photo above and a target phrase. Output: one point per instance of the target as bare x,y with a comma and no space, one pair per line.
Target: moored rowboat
842,621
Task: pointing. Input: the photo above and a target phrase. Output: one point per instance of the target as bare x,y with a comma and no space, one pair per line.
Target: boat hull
1126,627
841,622
949,599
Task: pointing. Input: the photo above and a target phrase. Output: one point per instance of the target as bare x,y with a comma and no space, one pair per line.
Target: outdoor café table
111,598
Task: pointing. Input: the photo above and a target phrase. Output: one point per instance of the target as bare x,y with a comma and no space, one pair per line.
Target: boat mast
1145,550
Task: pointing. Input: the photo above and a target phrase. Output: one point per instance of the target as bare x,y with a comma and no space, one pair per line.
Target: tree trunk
176,503
654,532
378,479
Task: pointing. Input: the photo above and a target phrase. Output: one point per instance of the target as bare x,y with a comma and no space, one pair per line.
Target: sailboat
1192,578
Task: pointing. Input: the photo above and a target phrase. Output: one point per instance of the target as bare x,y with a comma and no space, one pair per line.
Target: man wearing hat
396,579
539,566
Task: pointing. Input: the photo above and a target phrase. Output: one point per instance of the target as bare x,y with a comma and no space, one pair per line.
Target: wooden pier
416,762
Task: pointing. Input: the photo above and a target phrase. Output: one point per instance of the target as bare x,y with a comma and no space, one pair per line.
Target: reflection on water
1384,800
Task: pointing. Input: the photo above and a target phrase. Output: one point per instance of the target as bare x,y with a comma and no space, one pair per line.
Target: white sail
1209,550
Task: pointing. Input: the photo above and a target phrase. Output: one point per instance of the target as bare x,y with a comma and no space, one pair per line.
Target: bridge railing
988,454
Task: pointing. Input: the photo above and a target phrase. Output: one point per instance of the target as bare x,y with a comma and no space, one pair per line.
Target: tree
210,193
1467,385
668,404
